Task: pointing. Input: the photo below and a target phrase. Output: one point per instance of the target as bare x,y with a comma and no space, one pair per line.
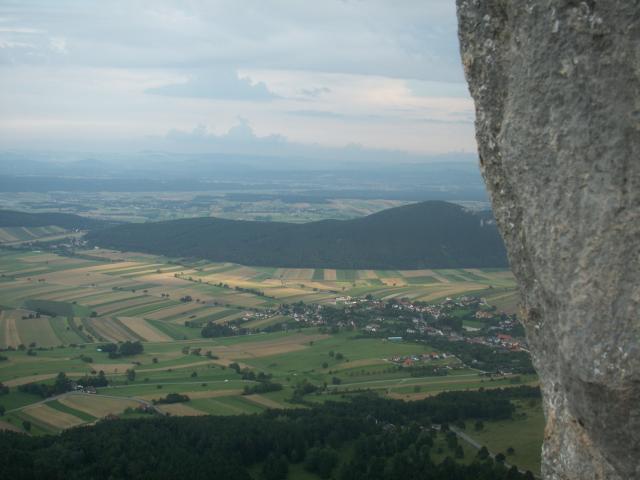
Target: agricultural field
17,235
107,296
141,207
56,311
200,369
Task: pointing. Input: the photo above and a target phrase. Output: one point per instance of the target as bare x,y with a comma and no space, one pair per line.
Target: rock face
556,85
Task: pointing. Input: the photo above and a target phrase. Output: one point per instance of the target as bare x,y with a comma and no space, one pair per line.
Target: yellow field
17,235
200,394
9,426
110,330
97,405
129,284
10,329
184,308
134,302
263,401
181,409
50,416
144,329
287,344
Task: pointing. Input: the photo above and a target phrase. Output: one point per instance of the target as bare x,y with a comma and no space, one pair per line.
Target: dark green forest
431,234
387,440
12,218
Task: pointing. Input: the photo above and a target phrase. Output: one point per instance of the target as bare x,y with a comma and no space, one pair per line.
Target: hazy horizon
344,81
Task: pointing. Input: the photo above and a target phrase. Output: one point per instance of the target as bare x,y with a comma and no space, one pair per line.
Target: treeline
430,234
484,357
124,349
12,218
391,439
172,398
63,384
212,330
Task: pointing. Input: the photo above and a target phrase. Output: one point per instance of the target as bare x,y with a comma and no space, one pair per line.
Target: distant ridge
431,234
12,218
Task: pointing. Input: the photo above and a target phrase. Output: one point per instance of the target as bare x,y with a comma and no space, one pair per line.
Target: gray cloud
242,140
408,39
315,92
316,113
220,84
377,73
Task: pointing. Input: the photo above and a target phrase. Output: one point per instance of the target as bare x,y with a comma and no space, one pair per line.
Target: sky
367,76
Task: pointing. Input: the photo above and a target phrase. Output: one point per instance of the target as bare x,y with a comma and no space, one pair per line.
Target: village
465,327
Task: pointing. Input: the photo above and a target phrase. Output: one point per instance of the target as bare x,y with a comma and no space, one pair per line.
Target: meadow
56,310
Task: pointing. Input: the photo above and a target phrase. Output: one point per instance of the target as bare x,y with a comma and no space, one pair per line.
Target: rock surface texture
556,85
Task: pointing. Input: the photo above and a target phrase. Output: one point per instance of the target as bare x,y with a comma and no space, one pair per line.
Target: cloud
218,84
241,133
408,39
315,92
382,74
316,113
242,140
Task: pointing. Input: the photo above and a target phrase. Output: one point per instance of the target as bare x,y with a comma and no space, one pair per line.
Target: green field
291,358
524,434
107,286
81,302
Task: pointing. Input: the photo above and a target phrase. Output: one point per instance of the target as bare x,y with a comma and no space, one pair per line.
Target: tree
452,440
26,424
321,461
62,384
511,451
483,453
131,374
479,425
459,452
130,348
275,467
513,473
500,458
2,410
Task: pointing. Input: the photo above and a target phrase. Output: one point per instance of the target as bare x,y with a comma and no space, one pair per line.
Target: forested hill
390,440
12,218
431,234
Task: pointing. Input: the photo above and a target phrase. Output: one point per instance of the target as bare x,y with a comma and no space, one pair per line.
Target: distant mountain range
432,234
11,218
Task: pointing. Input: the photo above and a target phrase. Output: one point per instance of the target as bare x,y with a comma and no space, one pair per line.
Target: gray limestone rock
556,85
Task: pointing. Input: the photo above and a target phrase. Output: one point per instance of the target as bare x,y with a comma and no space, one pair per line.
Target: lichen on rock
556,85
